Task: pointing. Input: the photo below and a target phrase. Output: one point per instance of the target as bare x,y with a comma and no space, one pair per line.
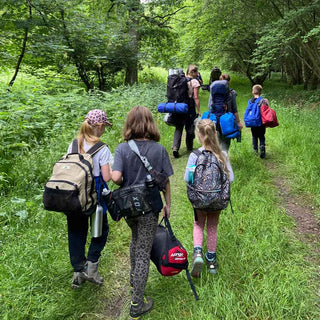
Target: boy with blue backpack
252,119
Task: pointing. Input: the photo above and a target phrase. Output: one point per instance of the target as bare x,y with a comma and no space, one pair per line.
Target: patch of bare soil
117,304
307,224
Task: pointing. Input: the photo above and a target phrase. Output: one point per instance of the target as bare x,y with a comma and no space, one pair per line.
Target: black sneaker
262,152
176,153
139,309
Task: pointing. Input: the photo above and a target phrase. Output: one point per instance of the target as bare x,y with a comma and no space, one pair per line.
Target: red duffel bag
268,116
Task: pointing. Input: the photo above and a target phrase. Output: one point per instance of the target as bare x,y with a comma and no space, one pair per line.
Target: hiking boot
262,152
77,279
139,309
197,263
175,153
91,274
212,265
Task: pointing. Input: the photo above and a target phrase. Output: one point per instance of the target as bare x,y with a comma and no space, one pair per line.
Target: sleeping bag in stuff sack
173,107
209,115
168,254
229,126
219,93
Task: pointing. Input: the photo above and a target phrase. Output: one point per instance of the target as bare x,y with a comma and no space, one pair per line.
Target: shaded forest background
61,58
105,43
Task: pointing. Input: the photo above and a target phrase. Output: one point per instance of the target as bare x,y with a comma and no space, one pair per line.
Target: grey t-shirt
132,169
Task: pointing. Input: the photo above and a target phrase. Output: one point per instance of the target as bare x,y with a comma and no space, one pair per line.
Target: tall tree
98,38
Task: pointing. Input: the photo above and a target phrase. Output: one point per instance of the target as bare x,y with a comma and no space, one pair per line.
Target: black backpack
177,88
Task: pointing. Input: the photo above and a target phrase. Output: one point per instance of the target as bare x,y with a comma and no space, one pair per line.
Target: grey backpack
71,188
210,189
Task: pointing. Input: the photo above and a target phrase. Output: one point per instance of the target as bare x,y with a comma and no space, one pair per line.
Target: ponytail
209,139
87,132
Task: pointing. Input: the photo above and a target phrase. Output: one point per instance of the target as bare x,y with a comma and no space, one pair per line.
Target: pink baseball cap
97,116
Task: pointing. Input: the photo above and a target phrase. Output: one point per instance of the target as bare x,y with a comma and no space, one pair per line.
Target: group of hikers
126,169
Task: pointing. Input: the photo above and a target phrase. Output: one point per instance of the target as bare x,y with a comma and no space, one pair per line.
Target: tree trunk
23,49
132,73
132,64
82,72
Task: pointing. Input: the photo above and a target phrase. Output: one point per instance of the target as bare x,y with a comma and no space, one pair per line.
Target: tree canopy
100,42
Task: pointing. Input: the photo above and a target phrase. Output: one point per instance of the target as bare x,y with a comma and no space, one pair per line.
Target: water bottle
191,170
154,194
96,222
149,181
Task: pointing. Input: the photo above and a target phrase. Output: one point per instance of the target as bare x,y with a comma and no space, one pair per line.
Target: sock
197,249
210,256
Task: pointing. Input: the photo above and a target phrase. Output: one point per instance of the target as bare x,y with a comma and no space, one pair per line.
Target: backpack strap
95,148
133,146
75,147
197,152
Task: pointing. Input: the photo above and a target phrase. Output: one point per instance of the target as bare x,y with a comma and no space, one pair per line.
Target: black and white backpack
210,189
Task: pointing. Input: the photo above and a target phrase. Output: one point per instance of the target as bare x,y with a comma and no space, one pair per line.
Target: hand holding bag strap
168,226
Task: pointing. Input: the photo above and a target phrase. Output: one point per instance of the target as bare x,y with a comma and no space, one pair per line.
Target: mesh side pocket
66,201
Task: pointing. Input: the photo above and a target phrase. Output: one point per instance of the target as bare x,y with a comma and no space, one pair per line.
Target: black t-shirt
132,169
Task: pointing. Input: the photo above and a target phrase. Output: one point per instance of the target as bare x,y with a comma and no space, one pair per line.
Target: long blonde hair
88,132
192,71
209,140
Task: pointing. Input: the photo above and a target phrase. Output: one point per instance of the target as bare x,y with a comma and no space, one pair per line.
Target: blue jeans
77,237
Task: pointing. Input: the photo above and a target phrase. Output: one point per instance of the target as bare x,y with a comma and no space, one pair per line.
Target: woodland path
307,227
307,224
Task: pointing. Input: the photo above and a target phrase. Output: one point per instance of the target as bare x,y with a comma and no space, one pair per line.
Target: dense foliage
255,37
106,43
263,272
90,40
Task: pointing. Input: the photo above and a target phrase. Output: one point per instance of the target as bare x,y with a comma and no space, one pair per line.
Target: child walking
86,268
207,136
128,170
258,133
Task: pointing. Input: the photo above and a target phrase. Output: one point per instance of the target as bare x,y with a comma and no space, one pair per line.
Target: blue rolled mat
173,107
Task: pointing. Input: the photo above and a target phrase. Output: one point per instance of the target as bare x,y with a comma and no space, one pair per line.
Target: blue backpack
252,116
219,93
229,126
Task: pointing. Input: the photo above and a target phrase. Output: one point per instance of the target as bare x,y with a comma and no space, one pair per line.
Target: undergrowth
263,271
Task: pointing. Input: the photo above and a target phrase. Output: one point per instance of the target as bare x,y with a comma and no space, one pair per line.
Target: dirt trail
307,224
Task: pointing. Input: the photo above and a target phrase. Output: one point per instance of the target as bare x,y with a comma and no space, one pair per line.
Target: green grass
264,273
